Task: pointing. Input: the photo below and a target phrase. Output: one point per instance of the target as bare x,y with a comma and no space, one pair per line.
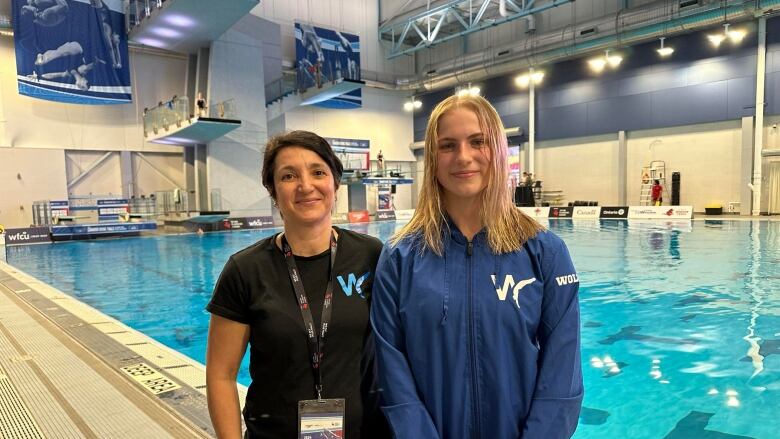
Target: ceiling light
716,39
463,92
412,104
474,91
664,51
597,64
735,35
613,60
524,80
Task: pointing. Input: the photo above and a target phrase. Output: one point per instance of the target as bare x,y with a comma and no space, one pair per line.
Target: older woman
475,305
300,299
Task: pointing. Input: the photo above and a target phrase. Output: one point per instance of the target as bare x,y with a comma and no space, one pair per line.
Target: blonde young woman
475,304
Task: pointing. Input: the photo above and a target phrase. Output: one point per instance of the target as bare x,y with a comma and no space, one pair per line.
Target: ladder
656,170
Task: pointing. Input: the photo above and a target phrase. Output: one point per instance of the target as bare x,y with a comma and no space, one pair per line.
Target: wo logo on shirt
353,282
509,282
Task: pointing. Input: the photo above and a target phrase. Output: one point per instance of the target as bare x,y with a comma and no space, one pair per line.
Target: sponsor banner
27,235
536,212
325,56
112,208
358,216
339,218
59,208
561,212
660,212
102,229
586,212
386,181
384,198
72,51
250,222
614,212
404,214
385,215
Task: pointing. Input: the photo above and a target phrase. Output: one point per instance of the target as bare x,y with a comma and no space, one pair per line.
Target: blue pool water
680,323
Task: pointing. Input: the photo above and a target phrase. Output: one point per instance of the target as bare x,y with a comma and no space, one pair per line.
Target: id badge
321,419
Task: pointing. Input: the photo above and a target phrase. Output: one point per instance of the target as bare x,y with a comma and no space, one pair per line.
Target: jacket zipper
472,348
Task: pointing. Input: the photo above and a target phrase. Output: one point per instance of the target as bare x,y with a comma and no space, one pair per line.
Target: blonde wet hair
507,227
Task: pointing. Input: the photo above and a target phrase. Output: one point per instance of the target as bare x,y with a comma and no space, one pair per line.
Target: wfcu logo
509,283
353,282
19,236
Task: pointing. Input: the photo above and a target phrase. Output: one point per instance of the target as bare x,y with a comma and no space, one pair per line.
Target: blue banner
72,51
325,55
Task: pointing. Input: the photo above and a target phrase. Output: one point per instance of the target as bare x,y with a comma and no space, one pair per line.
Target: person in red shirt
657,193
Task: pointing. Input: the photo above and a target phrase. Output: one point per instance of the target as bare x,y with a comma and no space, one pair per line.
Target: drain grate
17,422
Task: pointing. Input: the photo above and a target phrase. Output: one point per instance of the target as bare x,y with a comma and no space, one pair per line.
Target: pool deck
61,372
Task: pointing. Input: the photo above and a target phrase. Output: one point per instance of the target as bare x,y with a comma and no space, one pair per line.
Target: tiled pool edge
118,345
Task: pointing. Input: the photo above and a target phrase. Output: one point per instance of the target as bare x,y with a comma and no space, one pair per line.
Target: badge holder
321,419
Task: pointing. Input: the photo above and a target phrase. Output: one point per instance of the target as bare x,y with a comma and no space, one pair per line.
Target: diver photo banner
72,51
325,55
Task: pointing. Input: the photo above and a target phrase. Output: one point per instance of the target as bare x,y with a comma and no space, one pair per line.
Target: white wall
584,169
35,134
234,160
707,156
356,17
28,175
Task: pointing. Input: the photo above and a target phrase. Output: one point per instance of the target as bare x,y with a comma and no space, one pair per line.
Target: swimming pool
680,322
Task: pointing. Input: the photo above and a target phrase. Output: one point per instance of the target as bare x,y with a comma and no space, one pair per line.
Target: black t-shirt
255,289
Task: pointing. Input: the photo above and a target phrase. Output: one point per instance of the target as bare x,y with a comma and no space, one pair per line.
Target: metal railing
175,201
284,86
223,110
164,114
137,10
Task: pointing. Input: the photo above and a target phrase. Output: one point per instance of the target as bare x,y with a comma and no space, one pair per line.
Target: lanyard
316,344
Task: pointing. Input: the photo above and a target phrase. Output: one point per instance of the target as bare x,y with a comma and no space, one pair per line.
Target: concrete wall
584,169
36,136
234,161
707,156
28,175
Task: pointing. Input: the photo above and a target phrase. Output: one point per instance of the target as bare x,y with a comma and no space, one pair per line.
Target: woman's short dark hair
302,139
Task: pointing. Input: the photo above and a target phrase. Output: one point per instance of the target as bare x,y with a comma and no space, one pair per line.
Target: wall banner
325,55
72,51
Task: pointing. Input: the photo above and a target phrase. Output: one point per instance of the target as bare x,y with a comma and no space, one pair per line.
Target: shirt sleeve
231,298
401,404
557,399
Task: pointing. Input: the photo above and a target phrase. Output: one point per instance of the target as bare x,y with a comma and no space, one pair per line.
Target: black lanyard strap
316,343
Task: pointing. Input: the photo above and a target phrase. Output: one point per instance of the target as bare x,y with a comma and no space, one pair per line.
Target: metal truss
444,21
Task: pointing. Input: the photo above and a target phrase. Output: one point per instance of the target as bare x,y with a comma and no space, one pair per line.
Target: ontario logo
353,282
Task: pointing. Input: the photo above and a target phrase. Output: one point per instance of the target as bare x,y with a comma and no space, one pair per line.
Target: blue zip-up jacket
478,345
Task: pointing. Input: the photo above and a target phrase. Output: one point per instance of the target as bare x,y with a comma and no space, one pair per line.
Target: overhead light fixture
597,64
468,90
412,104
664,51
613,60
716,39
735,35
524,80
7,32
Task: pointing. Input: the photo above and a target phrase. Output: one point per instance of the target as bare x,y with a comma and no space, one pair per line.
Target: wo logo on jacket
353,282
509,283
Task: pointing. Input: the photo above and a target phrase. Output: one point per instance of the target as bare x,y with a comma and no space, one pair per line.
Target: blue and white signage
325,55
72,51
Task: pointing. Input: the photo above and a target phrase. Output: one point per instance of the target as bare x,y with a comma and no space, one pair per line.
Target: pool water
680,322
